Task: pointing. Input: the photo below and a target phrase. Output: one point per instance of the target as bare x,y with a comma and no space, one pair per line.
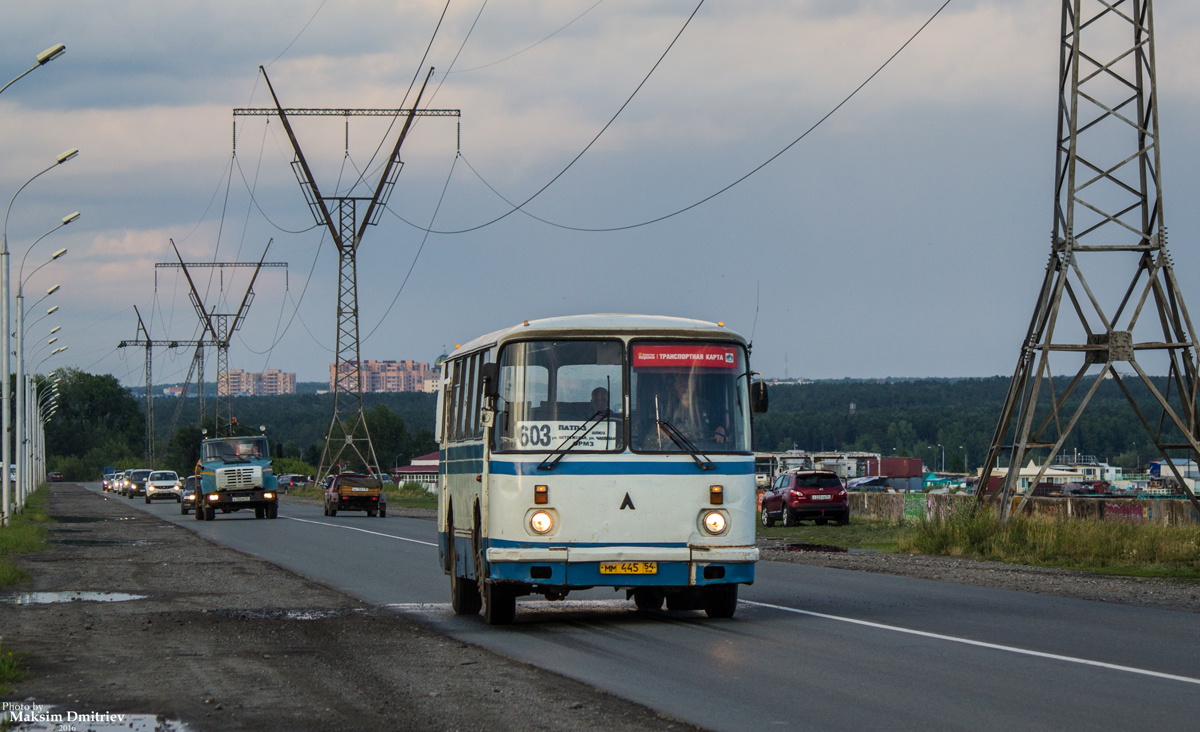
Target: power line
706,199
527,48
608,124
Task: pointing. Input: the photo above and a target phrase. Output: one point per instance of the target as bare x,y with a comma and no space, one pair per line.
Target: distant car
123,482
163,484
355,492
110,475
136,483
806,494
55,477
288,482
187,495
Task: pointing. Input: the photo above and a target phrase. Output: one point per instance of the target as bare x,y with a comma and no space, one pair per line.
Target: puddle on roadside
803,547
46,718
280,614
47,598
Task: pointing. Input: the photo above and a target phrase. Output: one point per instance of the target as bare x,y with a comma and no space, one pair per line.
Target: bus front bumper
581,566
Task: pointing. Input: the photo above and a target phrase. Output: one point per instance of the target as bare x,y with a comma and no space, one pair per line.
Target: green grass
1109,547
409,495
26,533
884,536
12,669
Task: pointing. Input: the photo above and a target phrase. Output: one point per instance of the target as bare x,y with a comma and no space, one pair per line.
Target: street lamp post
23,410
966,463
943,456
5,388
22,468
42,58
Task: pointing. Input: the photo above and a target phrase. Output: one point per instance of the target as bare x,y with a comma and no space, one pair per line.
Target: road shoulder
224,641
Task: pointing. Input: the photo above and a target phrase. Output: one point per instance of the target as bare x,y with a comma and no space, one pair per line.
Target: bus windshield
236,449
561,395
688,391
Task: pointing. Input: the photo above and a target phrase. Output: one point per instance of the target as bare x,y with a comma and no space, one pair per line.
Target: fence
897,507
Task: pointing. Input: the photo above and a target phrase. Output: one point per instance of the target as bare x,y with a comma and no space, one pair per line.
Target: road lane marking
365,531
979,644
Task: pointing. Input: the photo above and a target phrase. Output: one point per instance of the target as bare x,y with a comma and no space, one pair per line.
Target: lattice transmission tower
347,217
220,328
1108,220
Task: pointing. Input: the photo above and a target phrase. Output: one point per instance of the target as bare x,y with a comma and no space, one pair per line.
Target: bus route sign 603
532,435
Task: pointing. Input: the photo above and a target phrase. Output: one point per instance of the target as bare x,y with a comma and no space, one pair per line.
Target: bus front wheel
464,594
499,604
720,601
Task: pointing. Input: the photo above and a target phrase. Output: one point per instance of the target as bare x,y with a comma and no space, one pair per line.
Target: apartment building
390,376
244,383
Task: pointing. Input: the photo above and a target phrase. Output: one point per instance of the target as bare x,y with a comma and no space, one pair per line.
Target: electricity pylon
220,327
348,436
1108,207
143,339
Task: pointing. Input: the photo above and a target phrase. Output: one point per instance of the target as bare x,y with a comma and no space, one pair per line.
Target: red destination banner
656,357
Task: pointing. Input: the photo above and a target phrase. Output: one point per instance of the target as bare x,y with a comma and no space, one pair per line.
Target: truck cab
235,473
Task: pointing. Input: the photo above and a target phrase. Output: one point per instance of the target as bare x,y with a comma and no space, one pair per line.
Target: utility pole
348,436
220,327
1108,208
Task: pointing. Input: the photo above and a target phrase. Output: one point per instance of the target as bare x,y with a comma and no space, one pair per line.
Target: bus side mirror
489,374
758,397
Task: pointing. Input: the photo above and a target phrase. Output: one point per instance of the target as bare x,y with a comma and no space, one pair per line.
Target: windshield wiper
590,423
684,443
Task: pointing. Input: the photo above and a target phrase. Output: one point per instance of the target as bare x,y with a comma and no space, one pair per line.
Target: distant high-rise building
268,383
390,376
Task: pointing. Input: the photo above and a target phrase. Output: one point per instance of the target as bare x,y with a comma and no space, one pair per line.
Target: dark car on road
806,494
55,477
355,492
187,497
137,483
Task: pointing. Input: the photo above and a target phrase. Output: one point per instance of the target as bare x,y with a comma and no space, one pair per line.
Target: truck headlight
714,522
268,494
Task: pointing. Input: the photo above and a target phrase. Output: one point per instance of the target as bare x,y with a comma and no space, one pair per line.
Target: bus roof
604,323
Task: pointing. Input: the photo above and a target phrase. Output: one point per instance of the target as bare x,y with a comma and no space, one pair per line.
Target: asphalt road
810,648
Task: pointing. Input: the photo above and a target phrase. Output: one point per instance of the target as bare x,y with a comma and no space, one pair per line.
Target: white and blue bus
598,451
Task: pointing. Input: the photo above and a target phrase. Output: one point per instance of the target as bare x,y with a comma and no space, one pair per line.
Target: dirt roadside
224,641
1162,594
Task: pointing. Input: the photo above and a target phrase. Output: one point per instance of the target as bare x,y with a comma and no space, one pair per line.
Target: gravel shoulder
225,641
1077,584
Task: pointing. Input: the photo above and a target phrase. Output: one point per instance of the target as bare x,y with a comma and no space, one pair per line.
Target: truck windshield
685,392
561,395
236,449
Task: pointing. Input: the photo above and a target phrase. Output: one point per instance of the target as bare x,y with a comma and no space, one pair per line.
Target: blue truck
234,473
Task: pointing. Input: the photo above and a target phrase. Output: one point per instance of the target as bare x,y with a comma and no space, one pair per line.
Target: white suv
163,484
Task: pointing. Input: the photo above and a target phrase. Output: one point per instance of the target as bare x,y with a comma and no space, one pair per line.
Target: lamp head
53,290
52,340
68,155
70,217
54,330
51,310
58,254
50,54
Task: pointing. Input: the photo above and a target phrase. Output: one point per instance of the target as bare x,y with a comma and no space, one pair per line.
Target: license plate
356,489
628,567
235,499
822,498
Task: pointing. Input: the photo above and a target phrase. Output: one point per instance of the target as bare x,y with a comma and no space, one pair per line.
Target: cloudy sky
906,236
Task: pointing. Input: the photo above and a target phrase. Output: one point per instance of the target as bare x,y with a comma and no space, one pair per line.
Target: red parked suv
806,494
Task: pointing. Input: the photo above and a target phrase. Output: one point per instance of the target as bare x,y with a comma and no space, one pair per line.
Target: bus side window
484,357
452,400
470,402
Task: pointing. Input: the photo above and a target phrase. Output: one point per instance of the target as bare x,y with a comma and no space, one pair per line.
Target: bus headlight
541,522
714,522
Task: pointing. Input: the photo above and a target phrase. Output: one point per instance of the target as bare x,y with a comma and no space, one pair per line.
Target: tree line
100,423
